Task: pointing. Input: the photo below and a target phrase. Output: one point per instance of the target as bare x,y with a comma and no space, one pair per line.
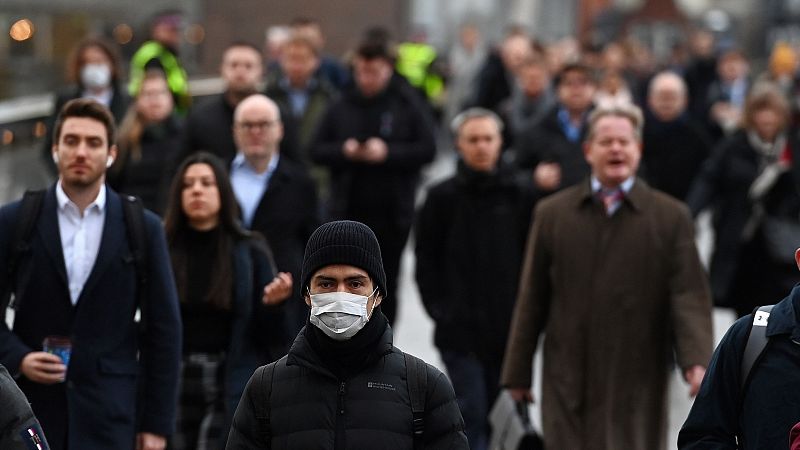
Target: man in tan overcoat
612,277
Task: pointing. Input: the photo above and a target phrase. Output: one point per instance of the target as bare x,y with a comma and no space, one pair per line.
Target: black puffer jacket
311,408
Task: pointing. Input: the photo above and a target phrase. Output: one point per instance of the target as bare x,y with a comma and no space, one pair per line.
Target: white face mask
96,76
340,315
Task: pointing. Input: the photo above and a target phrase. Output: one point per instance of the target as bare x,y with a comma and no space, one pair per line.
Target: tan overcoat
619,299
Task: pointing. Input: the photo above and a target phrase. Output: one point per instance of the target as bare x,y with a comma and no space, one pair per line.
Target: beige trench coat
618,298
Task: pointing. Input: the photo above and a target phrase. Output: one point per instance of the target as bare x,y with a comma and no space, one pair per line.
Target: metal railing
22,119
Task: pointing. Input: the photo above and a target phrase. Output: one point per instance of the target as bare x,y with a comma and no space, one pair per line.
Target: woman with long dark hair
231,323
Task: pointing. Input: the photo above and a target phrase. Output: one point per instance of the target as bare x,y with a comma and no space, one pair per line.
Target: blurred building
37,34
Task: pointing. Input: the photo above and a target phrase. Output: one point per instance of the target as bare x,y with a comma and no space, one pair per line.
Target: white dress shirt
80,237
249,186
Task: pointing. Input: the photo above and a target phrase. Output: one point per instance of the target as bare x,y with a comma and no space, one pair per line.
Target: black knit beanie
344,242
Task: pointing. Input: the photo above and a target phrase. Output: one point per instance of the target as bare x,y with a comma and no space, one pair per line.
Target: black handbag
511,426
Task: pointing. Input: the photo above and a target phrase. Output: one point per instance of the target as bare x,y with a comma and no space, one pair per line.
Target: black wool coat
385,190
546,142
470,237
286,215
672,154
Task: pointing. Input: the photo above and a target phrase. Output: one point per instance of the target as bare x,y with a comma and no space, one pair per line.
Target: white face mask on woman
340,315
95,76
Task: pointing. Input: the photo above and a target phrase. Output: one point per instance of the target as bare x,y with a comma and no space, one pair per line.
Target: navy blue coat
98,406
761,416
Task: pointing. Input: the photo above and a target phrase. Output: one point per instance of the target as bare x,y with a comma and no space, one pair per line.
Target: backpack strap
417,381
263,402
30,208
756,343
133,212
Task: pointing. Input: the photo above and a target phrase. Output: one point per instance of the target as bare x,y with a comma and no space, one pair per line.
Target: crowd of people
189,241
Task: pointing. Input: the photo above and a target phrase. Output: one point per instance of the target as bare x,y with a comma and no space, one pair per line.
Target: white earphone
109,161
55,157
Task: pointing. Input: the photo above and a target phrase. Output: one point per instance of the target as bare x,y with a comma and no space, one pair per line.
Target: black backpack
416,379
757,342
31,207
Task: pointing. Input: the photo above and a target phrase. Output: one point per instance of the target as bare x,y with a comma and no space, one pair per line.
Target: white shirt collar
626,185
63,200
240,162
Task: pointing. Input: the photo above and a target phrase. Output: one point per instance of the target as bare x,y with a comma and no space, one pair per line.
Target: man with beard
80,279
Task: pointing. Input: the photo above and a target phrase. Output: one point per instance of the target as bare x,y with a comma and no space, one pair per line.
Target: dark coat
209,127
493,83
305,126
673,154
473,227
98,403
387,189
619,298
149,177
547,142
286,215
742,274
310,408
256,327
762,415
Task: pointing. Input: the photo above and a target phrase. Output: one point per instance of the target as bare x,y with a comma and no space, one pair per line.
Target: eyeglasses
259,126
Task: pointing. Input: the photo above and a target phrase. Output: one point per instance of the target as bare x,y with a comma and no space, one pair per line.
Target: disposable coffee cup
60,346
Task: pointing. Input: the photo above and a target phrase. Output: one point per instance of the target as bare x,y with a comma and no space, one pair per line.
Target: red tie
611,199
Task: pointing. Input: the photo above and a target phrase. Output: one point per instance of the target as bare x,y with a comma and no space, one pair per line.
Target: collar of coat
636,198
784,316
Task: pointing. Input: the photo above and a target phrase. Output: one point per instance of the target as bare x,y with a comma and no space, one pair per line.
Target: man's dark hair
242,43
167,14
371,49
303,21
91,109
576,67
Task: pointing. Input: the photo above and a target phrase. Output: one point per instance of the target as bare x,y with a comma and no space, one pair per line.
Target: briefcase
511,426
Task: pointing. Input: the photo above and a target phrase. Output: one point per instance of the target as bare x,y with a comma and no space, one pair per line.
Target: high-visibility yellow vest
177,80
414,62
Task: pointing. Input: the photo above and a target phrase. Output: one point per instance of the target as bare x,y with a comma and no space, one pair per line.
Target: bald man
674,144
277,197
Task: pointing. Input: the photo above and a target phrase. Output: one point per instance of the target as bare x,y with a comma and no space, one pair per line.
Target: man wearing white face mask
343,384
